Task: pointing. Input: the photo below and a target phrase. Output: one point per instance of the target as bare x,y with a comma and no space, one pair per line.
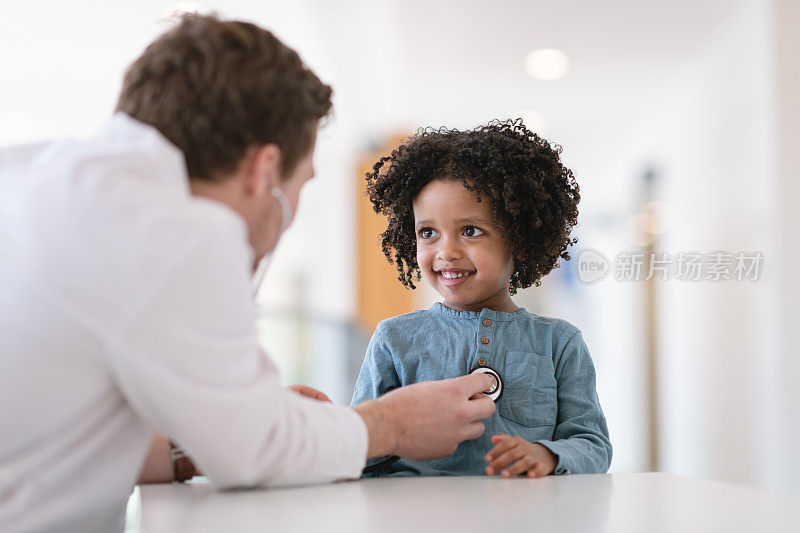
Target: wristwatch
182,466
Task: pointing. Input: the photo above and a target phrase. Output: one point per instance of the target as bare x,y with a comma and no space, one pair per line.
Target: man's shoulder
126,183
121,143
108,219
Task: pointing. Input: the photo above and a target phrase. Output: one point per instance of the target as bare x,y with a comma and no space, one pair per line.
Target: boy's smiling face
460,252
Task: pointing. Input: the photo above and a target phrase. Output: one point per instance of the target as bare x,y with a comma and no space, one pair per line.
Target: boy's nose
448,249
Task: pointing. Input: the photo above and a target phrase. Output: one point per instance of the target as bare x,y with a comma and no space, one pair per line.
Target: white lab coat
126,308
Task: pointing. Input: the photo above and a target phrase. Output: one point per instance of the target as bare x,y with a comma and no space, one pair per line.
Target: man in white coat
126,302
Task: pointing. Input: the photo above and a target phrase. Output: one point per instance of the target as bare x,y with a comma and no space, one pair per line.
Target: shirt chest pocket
530,395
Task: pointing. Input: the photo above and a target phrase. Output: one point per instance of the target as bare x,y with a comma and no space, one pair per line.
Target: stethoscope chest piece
496,389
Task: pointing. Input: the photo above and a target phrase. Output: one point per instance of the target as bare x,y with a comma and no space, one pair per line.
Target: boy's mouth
452,277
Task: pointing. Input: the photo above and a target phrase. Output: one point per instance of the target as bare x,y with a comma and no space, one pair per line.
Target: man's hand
427,420
523,456
310,392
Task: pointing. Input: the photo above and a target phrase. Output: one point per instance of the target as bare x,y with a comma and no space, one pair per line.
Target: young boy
478,214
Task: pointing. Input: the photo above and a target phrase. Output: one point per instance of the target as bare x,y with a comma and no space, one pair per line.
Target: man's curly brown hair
534,197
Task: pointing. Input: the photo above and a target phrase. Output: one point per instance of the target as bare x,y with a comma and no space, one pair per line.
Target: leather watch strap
182,465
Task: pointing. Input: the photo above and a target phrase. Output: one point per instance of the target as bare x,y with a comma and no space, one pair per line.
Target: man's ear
263,172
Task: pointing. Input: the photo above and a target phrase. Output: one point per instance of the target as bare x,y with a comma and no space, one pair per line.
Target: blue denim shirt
548,377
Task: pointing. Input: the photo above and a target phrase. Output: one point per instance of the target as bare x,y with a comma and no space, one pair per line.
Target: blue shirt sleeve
377,377
580,440
378,374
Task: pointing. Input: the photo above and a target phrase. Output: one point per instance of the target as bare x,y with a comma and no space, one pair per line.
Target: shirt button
484,340
487,322
482,361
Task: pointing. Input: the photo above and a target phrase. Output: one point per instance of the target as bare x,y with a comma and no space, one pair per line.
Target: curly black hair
534,197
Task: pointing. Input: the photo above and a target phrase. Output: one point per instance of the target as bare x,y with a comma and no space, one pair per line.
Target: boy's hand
523,456
309,392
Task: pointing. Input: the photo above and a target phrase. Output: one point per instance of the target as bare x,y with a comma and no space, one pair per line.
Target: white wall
710,135
785,430
719,336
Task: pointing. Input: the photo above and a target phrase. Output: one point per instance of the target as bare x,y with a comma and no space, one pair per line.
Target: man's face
294,183
267,230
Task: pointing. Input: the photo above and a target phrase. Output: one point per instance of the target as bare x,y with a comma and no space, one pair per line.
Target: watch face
496,389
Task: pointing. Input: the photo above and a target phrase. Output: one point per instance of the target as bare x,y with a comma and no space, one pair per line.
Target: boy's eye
426,233
472,231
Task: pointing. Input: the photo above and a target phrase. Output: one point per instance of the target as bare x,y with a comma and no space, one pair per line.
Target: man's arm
421,421
157,466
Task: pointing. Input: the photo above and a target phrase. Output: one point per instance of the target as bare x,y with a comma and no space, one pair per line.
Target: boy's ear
263,171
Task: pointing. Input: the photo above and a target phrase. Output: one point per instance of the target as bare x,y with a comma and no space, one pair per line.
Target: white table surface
650,502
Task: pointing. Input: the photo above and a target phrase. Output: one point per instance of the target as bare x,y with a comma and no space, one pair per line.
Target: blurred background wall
681,121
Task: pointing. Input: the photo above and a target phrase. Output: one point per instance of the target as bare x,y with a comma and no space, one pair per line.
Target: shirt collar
498,316
129,131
